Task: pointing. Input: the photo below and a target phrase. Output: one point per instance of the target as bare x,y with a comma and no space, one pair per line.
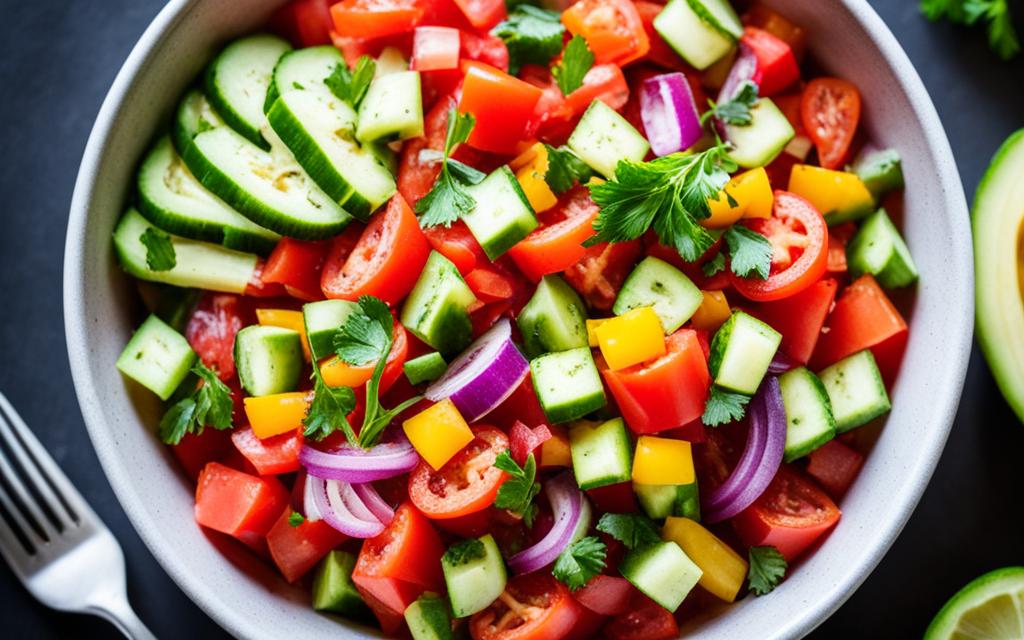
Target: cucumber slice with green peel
425,368
319,129
554,319
657,284
198,265
567,384
475,575
989,607
237,81
700,42
268,187
392,108
269,359
428,618
662,571
502,215
302,69
878,248
157,357
856,391
195,115
333,589
720,15
881,170
741,351
660,501
174,200
758,143
602,453
603,137
437,309
322,320
809,421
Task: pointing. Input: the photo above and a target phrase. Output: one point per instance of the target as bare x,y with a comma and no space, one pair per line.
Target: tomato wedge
465,484
613,29
830,108
557,243
502,105
307,23
211,330
534,606
799,318
296,549
799,239
296,265
607,595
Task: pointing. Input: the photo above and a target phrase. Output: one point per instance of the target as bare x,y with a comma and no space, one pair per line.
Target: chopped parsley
631,529
329,410
465,551
351,85
517,493
210,405
715,265
295,519
574,65
767,568
724,407
532,36
735,110
750,253
565,169
160,254
448,199
580,562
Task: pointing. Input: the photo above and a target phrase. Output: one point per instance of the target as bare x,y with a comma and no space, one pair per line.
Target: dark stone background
59,59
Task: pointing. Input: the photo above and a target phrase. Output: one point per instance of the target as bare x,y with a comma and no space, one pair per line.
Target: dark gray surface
60,57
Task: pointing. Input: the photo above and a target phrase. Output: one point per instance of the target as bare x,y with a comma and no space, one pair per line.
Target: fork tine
39,525
44,474
12,548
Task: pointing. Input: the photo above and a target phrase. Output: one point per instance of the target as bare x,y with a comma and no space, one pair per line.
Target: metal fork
55,543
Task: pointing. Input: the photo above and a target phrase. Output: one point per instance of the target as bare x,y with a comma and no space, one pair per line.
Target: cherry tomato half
465,484
830,108
547,611
613,29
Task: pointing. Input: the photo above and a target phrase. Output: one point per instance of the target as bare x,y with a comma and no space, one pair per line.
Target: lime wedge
989,608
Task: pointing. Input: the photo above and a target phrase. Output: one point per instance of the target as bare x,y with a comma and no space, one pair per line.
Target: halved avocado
997,219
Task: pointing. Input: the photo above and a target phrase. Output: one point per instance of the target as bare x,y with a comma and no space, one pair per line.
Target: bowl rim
76,325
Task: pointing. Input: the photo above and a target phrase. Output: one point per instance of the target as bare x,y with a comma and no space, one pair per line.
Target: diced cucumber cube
855,390
554,319
878,248
475,575
601,453
567,384
428,618
269,359
157,357
436,310
662,571
809,421
655,283
333,589
741,352
425,368
322,320
392,108
881,170
685,27
603,137
660,501
758,143
502,215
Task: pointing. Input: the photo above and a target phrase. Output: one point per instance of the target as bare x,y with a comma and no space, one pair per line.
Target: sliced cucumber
660,501
171,198
809,421
238,79
881,170
157,357
475,575
428,618
198,265
333,589
741,351
693,36
425,368
195,115
322,320
436,310
602,453
554,319
720,15
662,571
878,248
269,359
302,69
268,187
567,384
502,215
603,137
655,283
758,143
392,108
855,390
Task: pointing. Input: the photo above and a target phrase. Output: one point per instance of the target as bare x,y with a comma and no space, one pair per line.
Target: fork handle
122,616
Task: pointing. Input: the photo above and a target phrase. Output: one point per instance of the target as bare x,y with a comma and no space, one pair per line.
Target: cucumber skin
286,377
425,368
899,269
156,330
797,452
349,602
861,417
428,618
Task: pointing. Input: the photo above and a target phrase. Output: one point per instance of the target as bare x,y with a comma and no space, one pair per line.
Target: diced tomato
458,245
790,515
238,504
501,104
555,116
483,14
390,620
523,440
211,330
402,562
485,48
296,264
545,611
665,393
443,13
645,620
587,626
522,405
273,456
386,261
607,595
765,18
296,550
799,318
257,288
613,29
465,484
694,431
353,48
863,318
375,18
195,451
838,236
830,108
306,23
435,48
835,466
557,244
776,64
599,274
492,282
614,498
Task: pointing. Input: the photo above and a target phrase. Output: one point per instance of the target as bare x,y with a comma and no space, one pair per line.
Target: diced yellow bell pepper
276,414
338,373
554,452
724,569
662,461
531,166
633,337
438,433
592,326
753,195
286,319
839,195
712,313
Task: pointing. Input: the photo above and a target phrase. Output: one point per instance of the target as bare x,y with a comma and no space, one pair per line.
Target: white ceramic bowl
846,38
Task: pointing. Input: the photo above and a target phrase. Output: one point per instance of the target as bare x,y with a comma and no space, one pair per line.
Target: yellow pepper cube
531,166
286,319
555,451
752,192
276,414
838,195
438,433
632,338
338,373
662,461
592,326
712,313
724,569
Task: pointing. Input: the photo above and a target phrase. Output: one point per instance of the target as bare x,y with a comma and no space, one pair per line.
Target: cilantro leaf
574,65
160,254
465,551
565,169
517,493
669,193
329,410
366,335
460,125
714,266
735,110
448,198
1002,38
767,568
532,36
351,85
295,519
210,405
749,252
724,407
580,562
631,529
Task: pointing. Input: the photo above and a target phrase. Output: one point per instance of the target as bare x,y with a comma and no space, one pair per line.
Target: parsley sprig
631,529
750,253
329,410
351,85
580,562
517,493
465,551
574,65
531,34
724,407
160,254
210,405
565,169
1002,38
735,110
448,199
767,568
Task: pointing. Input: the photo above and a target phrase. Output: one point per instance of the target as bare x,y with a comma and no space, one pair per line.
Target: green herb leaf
448,199
210,405
767,568
631,529
517,493
1002,38
565,169
532,36
366,335
574,65
351,85
329,410
580,562
160,254
724,407
295,519
736,110
750,253
465,551
714,266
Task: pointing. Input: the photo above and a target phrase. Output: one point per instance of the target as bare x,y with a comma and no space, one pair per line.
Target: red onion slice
572,519
744,69
355,465
669,113
781,363
329,496
309,508
380,509
486,373
749,480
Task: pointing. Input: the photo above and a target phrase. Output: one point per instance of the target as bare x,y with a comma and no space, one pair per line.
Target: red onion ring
669,113
569,508
352,464
329,497
377,506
